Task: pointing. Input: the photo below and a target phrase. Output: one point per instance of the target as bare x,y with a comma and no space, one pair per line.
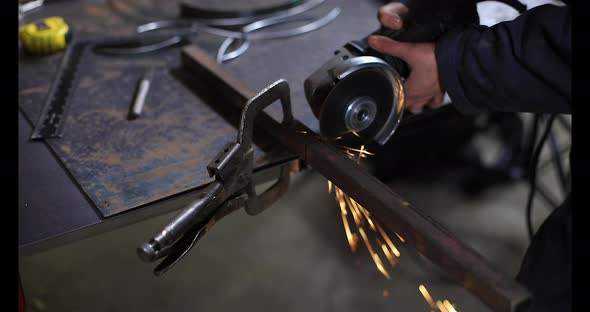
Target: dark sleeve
523,65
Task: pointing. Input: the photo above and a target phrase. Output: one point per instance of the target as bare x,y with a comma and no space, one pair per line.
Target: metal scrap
223,55
250,27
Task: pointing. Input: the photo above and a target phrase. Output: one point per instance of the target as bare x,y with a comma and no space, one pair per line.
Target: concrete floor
293,257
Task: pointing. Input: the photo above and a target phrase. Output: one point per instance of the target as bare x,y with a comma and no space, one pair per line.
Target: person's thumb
391,47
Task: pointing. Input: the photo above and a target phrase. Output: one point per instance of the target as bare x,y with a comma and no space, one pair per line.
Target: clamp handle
193,216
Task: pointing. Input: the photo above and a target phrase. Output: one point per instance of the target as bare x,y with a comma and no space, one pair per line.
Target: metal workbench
52,207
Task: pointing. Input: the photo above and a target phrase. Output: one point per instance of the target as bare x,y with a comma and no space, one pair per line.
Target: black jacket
523,65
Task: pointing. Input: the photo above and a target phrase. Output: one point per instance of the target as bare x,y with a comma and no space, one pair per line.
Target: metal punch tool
231,189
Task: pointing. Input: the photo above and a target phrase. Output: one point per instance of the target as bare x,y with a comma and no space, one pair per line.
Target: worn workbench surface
59,187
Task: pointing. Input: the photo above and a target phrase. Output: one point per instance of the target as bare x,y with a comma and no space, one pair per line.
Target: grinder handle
426,21
410,33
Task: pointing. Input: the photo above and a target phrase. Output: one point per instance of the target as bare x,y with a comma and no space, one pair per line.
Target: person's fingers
436,101
389,46
390,15
416,103
391,21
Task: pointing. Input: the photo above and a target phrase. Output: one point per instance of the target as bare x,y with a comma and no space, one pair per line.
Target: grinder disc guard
360,95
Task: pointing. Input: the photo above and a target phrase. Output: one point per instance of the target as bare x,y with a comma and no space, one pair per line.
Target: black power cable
560,171
533,170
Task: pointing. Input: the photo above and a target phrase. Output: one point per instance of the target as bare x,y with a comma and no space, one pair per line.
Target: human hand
423,86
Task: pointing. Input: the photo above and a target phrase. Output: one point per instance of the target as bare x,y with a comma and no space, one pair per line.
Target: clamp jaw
232,188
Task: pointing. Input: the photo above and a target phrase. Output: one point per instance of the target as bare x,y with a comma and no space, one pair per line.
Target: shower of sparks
359,221
374,255
342,200
352,238
360,209
389,242
383,242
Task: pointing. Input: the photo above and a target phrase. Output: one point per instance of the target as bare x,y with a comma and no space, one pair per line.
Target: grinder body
360,90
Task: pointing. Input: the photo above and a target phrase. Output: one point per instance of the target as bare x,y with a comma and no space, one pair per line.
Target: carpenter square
53,116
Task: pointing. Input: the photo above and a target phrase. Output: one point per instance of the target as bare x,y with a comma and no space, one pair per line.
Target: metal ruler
53,116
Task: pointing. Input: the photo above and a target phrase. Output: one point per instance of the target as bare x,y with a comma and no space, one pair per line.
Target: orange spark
351,238
400,238
427,296
349,153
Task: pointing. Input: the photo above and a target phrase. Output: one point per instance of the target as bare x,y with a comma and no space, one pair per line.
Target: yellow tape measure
45,36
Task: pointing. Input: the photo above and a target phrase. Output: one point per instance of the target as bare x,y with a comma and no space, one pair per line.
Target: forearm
519,66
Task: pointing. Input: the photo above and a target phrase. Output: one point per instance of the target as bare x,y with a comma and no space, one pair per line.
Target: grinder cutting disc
366,98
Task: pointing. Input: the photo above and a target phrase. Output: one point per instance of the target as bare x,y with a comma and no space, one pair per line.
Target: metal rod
140,95
466,266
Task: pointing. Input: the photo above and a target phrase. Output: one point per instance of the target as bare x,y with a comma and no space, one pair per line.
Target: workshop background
294,256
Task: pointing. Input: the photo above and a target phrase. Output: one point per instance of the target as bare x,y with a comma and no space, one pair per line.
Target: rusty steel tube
461,262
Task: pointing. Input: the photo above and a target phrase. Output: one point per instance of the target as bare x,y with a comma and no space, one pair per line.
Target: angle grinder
360,90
